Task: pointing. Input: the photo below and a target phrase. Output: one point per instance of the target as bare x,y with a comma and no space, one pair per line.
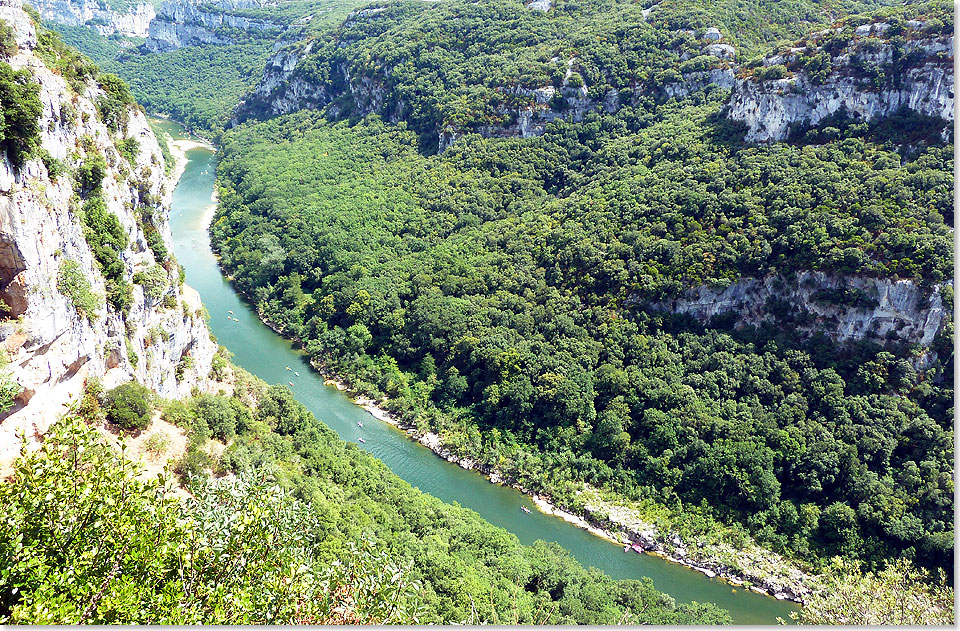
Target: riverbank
761,578
751,567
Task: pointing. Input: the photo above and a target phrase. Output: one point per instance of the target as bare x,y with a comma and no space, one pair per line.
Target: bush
9,389
154,281
20,112
219,414
72,283
129,406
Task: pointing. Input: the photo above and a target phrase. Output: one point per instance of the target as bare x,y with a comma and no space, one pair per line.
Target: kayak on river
525,509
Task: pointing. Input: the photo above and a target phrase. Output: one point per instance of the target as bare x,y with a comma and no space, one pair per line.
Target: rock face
916,75
181,23
134,22
844,308
163,340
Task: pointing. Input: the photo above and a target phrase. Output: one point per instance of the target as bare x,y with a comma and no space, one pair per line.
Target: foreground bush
128,406
82,540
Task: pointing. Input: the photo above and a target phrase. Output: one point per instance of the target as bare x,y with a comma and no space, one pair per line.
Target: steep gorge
60,330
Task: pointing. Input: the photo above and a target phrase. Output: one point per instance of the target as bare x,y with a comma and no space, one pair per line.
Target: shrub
55,168
157,444
218,412
129,406
9,389
154,281
72,283
770,73
20,112
129,148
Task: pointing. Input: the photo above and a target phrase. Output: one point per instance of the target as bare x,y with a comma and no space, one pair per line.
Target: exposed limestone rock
721,51
540,5
888,311
134,22
771,109
181,23
53,347
24,32
713,33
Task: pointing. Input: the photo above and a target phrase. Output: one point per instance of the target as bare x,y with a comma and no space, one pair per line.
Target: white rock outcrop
133,22
181,23
772,109
163,340
892,311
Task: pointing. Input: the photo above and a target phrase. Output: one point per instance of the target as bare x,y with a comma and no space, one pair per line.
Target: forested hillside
499,292
271,518
303,529
200,84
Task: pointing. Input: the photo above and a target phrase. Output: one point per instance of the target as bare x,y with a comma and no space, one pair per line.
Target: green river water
264,353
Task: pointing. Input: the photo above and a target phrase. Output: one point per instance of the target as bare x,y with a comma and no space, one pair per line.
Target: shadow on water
262,352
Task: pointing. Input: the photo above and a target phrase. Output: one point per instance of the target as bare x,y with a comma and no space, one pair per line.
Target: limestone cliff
134,21
869,71
842,307
53,344
181,23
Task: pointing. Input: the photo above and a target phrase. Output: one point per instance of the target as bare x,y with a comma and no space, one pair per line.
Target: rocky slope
181,23
286,86
52,345
133,22
870,73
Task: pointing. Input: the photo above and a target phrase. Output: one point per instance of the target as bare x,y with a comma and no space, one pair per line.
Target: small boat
288,368
525,509
290,382
626,548
230,311
359,424
360,440
296,373
636,548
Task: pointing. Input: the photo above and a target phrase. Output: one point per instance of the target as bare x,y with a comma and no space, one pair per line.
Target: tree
129,405
900,594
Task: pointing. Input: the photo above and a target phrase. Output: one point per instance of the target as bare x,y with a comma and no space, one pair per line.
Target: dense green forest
200,86
496,292
493,293
308,530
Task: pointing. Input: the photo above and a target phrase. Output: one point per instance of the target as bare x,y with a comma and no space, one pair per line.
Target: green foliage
20,111
55,168
899,594
107,239
219,364
90,174
469,571
73,283
154,281
484,288
223,415
129,406
84,540
197,86
129,148
76,69
9,390
8,41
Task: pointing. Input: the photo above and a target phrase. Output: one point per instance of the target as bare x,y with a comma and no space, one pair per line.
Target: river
259,350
